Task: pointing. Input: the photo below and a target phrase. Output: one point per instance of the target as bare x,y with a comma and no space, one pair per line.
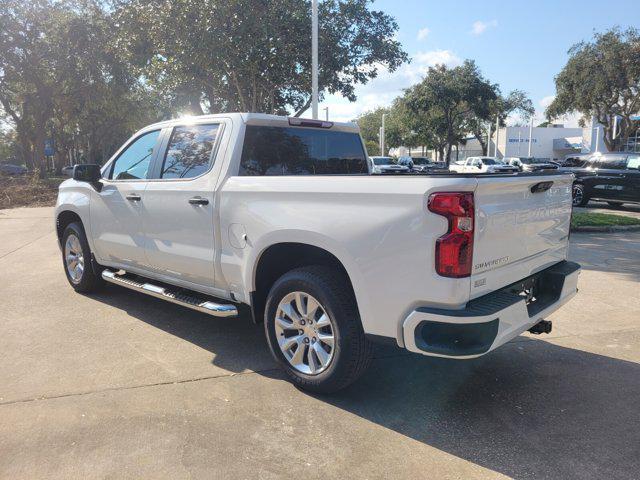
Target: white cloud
423,33
479,27
382,90
546,101
569,120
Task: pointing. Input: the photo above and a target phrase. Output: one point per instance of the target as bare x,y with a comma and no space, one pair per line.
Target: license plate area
539,290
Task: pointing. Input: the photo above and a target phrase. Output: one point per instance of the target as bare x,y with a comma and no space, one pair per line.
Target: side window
189,151
133,163
613,163
575,162
633,162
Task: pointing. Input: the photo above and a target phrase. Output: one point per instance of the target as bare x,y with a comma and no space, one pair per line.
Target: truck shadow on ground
528,410
531,409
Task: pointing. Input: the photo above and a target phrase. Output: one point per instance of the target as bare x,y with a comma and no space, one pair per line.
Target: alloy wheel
305,333
74,259
578,195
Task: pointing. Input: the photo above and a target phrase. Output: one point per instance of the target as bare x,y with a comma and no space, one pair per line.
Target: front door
179,207
116,210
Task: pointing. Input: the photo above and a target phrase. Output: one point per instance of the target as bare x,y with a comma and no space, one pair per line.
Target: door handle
198,201
134,197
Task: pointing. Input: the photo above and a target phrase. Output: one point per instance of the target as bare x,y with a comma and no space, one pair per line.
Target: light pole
326,111
519,140
497,134
314,59
384,115
530,133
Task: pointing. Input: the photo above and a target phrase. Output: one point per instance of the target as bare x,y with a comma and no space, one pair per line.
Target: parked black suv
611,177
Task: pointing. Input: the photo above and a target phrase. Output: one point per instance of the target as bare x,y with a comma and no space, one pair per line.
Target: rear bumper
492,320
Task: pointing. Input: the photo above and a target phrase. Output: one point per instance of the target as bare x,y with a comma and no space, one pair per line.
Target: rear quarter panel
378,227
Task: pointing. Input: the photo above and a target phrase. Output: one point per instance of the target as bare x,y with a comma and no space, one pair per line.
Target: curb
608,229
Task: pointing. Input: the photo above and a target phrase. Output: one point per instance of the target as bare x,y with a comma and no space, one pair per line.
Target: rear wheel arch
280,258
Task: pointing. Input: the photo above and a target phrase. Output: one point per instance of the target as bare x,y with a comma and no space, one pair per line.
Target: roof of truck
261,119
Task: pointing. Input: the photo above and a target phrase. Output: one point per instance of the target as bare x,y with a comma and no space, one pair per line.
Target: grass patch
601,220
26,191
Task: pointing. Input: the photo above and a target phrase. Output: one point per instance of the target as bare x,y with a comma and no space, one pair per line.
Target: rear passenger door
179,204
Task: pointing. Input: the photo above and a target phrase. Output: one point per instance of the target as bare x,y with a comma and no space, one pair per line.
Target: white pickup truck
282,215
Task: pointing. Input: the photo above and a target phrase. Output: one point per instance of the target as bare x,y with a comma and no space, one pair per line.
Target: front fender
75,197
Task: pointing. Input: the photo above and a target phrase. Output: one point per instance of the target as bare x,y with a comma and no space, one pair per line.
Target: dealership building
549,143
554,143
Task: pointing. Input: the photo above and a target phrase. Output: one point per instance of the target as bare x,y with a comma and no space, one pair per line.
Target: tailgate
522,227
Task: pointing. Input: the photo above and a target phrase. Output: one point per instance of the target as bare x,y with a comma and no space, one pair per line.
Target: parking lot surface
120,385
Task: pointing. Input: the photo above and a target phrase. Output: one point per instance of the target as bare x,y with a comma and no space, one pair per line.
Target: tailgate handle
541,187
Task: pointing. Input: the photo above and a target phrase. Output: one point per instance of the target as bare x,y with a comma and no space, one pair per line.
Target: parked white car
482,165
386,165
282,215
530,164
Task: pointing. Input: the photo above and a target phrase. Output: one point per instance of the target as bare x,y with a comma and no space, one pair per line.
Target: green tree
501,107
62,77
27,83
8,146
448,98
253,55
602,79
370,123
397,132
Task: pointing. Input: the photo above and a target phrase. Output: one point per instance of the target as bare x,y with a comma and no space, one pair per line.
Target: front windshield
490,161
382,161
530,161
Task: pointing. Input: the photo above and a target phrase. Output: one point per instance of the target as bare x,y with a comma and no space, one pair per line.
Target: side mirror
88,173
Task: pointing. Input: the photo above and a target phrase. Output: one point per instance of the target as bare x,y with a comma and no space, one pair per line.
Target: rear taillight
454,250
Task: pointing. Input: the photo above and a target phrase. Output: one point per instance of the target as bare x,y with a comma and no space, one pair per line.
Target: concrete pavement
120,385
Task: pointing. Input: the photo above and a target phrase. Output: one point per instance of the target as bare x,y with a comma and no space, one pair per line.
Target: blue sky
516,44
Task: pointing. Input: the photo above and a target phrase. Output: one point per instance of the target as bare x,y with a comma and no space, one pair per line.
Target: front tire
580,198
314,331
76,259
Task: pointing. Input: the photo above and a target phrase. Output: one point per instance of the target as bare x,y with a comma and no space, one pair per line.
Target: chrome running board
192,300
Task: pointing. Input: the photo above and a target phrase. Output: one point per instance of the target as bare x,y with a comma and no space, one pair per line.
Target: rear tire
77,260
300,324
580,198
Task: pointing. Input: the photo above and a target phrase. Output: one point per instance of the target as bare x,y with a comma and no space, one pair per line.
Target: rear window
301,151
